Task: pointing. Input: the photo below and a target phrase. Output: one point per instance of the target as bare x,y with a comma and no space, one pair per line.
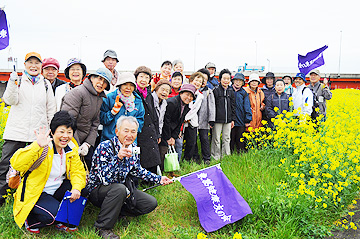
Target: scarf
33,79
143,92
129,102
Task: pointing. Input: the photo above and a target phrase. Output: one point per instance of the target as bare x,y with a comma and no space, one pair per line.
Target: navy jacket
267,92
279,101
212,82
242,108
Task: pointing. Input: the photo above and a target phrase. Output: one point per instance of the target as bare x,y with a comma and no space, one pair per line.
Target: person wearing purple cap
50,70
176,109
75,72
83,103
302,96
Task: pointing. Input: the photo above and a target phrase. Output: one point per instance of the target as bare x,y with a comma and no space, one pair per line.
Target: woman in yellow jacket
36,203
256,96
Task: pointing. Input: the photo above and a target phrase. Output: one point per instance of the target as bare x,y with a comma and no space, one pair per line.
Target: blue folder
71,212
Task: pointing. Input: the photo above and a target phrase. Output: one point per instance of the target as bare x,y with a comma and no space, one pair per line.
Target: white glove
84,149
14,76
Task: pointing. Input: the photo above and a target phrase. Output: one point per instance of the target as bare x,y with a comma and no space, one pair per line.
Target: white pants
225,129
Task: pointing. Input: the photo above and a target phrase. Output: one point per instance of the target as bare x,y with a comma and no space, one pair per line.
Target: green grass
254,174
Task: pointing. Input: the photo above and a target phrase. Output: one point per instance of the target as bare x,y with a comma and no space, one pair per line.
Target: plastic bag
171,162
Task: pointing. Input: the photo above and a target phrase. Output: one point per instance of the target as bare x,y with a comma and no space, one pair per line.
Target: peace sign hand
42,137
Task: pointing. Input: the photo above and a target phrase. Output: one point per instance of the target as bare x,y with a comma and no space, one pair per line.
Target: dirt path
349,233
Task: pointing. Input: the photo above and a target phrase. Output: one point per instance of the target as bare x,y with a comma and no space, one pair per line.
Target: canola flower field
322,164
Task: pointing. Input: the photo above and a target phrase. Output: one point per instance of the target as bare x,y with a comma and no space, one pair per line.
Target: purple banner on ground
312,60
217,200
4,33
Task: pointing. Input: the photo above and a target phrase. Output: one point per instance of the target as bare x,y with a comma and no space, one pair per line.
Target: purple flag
312,60
217,200
4,33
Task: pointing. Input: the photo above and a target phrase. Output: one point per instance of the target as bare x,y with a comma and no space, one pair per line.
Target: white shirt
300,99
57,173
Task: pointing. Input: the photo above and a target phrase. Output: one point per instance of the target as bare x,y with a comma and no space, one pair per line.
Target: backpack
45,84
314,113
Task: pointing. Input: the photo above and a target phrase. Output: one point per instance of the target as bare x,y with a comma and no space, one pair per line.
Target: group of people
96,123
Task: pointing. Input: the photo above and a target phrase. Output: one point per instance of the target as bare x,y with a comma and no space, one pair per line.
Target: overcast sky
148,32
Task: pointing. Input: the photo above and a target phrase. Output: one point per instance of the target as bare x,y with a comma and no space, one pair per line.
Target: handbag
171,162
13,177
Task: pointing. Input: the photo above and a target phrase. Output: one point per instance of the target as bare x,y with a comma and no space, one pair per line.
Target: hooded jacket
32,106
242,107
83,103
24,158
108,120
257,98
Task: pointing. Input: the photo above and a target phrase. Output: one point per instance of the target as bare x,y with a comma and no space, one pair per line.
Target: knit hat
254,77
126,77
301,75
239,76
268,75
104,73
189,88
74,61
51,62
33,54
143,69
162,82
111,54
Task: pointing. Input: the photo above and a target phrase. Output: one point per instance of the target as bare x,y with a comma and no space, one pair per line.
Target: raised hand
42,137
117,106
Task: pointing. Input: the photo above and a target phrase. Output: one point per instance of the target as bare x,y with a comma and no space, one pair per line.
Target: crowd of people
96,123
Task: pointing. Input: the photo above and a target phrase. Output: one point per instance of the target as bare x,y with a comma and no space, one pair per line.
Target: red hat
51,62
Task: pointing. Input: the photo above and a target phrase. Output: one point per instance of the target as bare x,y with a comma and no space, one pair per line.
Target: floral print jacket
108,168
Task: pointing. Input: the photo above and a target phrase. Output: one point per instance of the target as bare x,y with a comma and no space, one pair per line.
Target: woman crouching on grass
39,194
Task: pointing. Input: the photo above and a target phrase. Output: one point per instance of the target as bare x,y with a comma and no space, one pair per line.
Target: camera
136,150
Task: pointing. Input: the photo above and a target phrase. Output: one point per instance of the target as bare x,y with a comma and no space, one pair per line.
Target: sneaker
62,227
32,230
106,234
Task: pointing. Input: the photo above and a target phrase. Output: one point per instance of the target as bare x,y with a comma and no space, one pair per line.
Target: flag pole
179,178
